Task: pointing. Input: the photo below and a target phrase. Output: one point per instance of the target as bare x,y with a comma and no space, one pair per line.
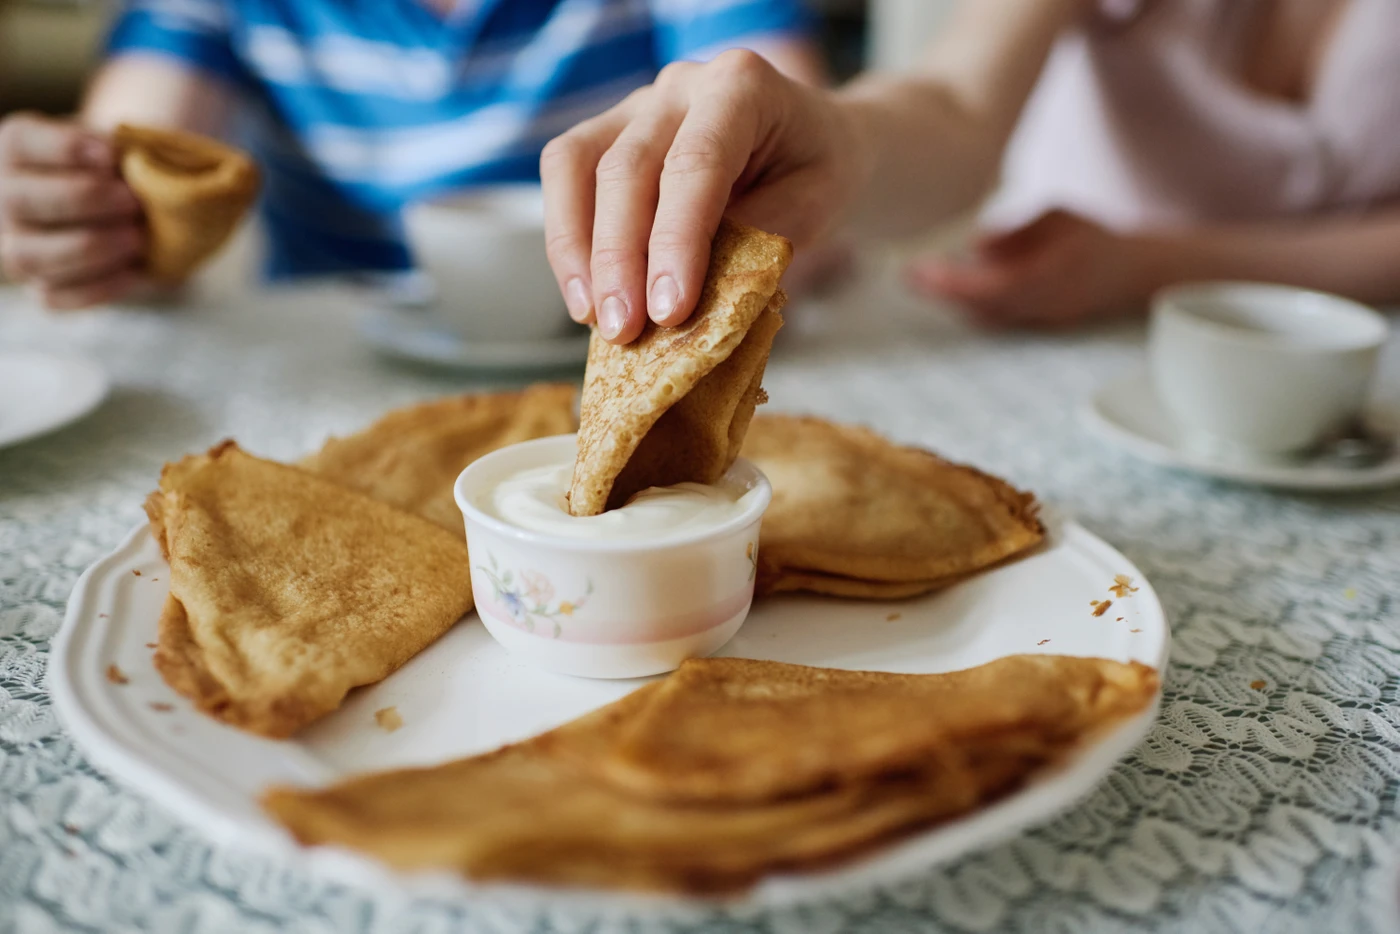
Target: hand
68,224
633,197
1057,272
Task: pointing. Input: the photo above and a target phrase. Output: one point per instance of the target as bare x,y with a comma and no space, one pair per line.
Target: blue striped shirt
359,107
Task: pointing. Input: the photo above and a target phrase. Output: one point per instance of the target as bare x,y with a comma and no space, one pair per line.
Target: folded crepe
411,457
287,590
540,811
733,729
194,190
856,515
673,405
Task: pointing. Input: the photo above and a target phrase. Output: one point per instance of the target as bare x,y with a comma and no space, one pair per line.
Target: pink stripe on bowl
581,629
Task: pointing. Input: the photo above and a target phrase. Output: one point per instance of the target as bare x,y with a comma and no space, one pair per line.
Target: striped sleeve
701,29
193,32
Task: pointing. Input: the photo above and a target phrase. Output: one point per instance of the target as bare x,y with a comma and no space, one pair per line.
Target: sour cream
533,499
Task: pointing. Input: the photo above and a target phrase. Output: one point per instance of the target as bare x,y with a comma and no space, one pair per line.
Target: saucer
1126,412
41,392
413,333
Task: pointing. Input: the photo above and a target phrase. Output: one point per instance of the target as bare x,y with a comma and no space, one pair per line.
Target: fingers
628,179
59,257
39,142
710,151
98,291
568,173
66,197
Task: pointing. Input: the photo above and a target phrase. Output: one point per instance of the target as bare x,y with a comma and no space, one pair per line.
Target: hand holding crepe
287,590
673,405
411,457
194,191
541,811
855,515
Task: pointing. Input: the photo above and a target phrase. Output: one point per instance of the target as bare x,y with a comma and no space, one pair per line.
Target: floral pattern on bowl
528,596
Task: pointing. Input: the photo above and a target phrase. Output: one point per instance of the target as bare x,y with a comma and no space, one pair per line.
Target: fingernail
612,317
665,295
577,299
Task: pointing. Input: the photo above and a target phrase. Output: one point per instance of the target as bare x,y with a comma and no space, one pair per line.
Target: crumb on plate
388,719
1100,606
114,675
892,617
1122,585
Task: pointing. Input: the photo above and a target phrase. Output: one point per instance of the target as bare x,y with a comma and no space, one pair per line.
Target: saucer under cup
607,609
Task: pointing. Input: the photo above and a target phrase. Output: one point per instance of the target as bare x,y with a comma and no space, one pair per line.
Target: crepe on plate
193,190
856,515
287,590
411,457
540,812
707,732
673,405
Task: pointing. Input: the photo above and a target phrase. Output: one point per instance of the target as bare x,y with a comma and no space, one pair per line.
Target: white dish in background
1257,372
483,251
416,333
41,392
465,695
1126,413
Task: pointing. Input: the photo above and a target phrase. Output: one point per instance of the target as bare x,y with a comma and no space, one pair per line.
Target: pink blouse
1141,119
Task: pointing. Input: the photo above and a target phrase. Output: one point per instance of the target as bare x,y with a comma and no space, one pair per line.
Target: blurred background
48,46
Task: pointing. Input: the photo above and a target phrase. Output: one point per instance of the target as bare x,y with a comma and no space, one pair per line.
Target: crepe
411,457
523,814
287,590
772,580
852,506
194,190
542,811
739,730
673,405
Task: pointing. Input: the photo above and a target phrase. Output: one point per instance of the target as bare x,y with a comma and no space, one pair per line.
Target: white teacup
484,252
1258,372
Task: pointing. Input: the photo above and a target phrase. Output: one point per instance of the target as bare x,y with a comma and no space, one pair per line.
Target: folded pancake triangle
673,405
823,765
194,191
287,590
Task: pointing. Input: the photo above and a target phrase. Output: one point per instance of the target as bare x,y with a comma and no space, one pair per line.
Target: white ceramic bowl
606,609
1252,371
484,253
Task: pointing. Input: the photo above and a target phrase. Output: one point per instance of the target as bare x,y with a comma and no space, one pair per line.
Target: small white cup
1260,372
606,609
484,254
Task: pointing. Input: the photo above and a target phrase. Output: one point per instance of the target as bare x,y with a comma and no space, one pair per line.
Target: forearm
151,89
1356,257
933,140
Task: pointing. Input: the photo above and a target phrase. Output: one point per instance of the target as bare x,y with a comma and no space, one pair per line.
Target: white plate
412,333
1126,412
465,695
41,392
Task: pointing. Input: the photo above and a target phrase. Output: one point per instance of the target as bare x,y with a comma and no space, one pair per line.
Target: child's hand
68,224
1057,272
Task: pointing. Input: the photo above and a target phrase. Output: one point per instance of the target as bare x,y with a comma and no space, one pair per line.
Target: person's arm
153,89
634,196
1357,256
1062,270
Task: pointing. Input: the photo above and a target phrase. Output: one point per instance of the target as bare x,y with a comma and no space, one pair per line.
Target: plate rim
884,866
97,389
1278,477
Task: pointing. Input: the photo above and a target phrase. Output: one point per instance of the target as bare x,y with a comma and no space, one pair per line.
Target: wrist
854,120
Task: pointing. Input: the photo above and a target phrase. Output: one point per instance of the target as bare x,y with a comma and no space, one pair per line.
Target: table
1251,807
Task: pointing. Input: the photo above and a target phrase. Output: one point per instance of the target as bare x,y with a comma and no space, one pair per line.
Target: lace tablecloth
1264,800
